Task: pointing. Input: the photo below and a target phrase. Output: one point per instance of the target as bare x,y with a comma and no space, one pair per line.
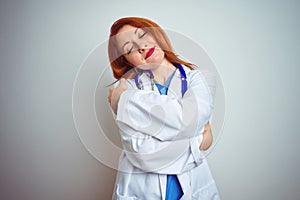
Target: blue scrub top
173,189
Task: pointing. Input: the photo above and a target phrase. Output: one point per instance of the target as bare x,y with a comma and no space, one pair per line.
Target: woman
162,111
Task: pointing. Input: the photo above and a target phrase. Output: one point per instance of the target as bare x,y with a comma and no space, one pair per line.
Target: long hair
117,60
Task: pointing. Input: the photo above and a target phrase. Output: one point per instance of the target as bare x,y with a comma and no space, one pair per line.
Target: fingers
123,83
114,93
207,126
110,95
122,80
207,138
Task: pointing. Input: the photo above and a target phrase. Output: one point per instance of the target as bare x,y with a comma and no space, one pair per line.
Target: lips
149,53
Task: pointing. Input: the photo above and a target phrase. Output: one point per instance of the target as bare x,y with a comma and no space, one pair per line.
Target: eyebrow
128,41
136,30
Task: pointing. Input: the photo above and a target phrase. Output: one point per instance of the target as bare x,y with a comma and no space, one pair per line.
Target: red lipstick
150,52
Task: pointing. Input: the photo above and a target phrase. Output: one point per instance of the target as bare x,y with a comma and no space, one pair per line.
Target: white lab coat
161,134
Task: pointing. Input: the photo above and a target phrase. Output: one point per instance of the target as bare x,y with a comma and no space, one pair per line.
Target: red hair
117,60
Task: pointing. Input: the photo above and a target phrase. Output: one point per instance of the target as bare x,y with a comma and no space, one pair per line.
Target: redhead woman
162,106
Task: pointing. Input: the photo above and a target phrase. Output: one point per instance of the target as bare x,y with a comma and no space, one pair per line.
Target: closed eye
130,50
143,34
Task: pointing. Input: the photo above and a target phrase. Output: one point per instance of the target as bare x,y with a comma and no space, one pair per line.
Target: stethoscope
139,84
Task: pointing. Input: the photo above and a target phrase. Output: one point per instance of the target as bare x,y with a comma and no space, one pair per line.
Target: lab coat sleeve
164,117
158,131
168,157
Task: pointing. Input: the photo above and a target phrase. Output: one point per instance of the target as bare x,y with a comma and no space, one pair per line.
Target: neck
163,71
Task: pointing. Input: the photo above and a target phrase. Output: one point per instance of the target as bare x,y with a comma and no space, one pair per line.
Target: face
139,47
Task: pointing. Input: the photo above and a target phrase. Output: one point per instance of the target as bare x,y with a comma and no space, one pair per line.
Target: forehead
125,33
127,29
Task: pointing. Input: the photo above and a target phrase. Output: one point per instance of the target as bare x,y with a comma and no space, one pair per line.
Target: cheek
134,59
158,56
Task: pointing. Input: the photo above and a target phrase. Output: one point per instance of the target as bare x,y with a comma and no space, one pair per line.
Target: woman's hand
115,93
207,138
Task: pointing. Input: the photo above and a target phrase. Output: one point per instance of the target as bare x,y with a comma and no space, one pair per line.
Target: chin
147,66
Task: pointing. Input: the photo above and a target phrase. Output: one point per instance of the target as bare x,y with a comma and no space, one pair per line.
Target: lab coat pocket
208,192
118,196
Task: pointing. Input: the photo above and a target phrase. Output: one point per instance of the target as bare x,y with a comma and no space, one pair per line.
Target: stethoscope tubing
182,73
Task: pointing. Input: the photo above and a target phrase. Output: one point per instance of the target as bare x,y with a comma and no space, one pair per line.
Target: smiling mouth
150,52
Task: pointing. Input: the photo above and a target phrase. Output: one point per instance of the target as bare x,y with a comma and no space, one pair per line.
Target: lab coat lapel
175,86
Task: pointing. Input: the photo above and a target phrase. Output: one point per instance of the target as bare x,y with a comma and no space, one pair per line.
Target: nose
142,48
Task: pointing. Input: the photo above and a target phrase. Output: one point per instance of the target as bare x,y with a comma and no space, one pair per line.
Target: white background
254,44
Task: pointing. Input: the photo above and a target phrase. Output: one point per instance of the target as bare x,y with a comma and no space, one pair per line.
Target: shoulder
194,73
129,82
204,77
